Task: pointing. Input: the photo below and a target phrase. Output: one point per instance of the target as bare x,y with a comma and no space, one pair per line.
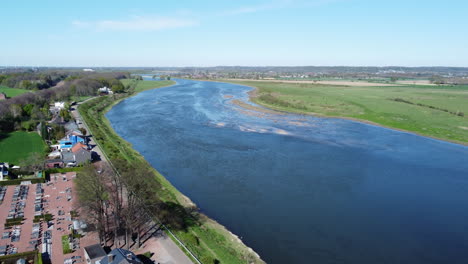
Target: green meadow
12,92
435,111
17,146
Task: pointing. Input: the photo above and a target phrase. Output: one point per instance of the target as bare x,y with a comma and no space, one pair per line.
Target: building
59,105
56,107
105,90
54,163
120,256
71,140
88,70
79,154
3,96
94,253
3,170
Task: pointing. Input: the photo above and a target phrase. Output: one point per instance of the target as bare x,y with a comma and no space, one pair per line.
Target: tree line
25,111
118,204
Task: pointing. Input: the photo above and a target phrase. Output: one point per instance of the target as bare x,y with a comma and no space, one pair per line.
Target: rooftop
95,251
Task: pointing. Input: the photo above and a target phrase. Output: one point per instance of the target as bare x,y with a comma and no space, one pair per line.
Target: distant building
3,96
120,256
105,90
59,105
88,70
93,253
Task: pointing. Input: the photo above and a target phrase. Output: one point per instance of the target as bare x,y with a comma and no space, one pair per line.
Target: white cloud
137,24
278,4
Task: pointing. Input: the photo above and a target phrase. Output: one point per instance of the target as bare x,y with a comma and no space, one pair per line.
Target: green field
208,240
435,111
17,146
12,92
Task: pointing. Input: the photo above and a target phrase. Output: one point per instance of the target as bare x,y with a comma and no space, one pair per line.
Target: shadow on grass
178,217
3,136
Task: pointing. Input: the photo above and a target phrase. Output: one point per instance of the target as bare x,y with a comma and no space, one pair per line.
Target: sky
243,32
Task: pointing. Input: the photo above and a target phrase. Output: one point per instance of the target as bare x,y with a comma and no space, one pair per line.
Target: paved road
165,249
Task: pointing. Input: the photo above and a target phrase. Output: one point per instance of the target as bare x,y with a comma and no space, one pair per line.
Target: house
81,153
71,140
3,96
105,90
68,159
54,154
120,256
59,105
3,170
54,163
93,253
77,155
56,107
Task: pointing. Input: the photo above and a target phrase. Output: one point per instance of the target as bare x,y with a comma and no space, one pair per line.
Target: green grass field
17,146
12,92
435,111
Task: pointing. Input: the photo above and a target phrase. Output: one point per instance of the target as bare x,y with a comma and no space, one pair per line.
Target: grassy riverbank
208,240
434,111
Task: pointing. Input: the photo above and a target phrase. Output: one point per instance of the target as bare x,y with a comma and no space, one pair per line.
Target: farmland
435,111
12,92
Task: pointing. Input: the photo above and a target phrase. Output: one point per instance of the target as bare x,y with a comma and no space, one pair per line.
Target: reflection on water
302,189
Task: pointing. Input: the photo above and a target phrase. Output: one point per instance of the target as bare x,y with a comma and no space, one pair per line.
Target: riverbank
377,108
207,239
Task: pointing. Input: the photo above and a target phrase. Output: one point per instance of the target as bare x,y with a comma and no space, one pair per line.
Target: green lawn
17,146
423,109
12,92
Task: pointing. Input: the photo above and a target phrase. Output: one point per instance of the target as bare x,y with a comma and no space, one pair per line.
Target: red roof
78,146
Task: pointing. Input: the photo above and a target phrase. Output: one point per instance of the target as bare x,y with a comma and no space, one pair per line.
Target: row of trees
118,203
33,107
32,80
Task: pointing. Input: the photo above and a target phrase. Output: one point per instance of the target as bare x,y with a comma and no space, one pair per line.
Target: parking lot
21,233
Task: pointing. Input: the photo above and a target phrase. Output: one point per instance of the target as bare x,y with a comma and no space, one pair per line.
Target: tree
65,114
33,163
83,131
92,197
44,132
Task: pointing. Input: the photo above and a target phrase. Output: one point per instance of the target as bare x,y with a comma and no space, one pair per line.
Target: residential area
42,219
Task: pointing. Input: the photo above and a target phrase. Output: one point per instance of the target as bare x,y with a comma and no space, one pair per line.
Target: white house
105,90
59,105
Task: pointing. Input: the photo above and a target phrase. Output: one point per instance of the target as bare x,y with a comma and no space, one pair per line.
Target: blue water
302,189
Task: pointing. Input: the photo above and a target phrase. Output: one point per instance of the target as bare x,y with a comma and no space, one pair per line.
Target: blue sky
250,33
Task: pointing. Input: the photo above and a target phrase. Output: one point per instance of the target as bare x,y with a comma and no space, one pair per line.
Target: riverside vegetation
209,241
435,111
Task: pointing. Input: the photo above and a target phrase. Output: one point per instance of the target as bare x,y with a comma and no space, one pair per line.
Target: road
165,249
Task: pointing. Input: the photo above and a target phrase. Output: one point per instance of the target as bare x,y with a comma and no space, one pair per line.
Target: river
304,189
